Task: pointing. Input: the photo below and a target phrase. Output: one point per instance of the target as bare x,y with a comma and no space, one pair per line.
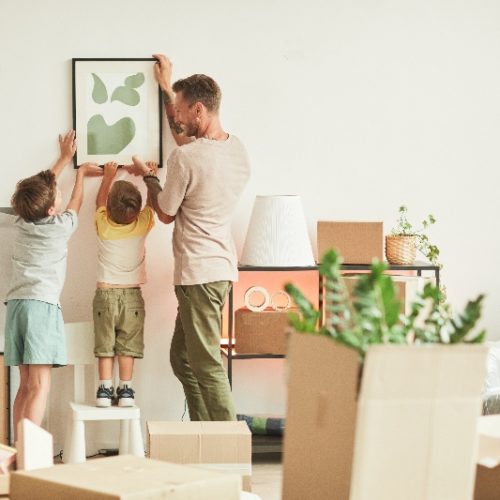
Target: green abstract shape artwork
99,93
126,96
127,93
109,139
135,81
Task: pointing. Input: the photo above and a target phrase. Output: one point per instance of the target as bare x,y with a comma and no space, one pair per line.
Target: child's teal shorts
34,334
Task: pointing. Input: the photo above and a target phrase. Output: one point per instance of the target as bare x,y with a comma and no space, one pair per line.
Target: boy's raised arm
85,170
67,146
109,172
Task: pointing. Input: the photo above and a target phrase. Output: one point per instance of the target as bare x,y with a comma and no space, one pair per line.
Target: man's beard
191,130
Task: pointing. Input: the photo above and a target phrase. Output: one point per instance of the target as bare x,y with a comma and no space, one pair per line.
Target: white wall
357,106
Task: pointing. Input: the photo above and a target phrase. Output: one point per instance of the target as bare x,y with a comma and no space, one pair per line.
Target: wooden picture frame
117,110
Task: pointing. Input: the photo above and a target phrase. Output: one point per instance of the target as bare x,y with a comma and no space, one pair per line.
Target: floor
267,473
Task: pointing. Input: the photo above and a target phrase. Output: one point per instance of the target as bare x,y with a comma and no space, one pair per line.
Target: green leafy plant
404,227
372,314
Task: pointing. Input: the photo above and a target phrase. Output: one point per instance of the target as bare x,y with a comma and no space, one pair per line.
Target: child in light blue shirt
34,331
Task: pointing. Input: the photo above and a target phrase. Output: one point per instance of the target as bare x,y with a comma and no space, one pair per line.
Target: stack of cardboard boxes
219,452
410,431
404,426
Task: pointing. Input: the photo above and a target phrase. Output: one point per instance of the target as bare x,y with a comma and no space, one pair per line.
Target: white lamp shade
277,234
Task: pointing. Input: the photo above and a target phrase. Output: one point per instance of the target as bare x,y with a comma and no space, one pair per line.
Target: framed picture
117,111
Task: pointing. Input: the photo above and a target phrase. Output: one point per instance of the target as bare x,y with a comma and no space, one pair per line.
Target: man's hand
110,169
138,167
152,166
163,73
67,145
89,170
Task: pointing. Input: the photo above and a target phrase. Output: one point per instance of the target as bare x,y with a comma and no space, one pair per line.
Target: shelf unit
227,348
273,444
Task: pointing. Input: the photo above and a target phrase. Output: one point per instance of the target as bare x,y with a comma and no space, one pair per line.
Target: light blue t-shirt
39,257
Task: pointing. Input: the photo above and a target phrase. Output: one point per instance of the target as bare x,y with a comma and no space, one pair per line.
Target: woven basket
400,249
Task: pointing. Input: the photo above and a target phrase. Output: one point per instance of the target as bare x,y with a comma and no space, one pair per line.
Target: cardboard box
406,287
357,242
261,332
320,420
221,446
487,485
488,467
123,477
412,433
4,485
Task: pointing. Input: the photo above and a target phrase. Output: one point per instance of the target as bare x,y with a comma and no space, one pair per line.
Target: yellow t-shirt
121,248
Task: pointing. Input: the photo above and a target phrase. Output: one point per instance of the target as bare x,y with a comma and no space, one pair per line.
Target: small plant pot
400,249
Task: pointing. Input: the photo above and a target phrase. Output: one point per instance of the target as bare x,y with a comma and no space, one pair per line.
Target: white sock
125,382
106,383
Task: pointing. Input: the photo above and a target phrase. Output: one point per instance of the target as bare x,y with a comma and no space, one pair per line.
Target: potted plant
402,244
372,316
371,390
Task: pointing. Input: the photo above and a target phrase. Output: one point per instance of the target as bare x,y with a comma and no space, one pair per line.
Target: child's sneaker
104,396
125,396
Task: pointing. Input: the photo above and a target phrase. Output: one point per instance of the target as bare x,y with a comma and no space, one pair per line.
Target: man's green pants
195,351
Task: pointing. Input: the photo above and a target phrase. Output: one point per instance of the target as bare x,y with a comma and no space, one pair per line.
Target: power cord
103,452
185,409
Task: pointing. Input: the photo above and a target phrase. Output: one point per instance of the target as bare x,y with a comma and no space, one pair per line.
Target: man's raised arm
163,75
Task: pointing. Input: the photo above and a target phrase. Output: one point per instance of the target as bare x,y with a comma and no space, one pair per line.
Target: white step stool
80,349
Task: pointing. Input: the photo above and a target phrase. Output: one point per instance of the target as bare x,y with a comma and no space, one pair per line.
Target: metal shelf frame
228,350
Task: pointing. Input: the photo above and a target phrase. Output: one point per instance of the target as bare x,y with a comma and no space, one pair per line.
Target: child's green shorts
34,333
119,322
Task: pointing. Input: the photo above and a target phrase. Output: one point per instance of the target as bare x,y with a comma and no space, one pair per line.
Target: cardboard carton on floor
357,242
411,434
4,485
487,482
488,458
261,332
123,477
222,446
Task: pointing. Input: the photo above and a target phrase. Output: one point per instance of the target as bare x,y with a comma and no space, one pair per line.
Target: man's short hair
35,195
124,202
200,88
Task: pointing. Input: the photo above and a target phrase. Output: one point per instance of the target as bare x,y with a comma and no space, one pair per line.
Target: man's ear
51,211
199,107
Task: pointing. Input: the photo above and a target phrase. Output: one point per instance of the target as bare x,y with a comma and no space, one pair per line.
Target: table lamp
277,234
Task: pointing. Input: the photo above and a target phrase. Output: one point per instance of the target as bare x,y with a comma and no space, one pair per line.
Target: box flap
321,414
418,405
125,477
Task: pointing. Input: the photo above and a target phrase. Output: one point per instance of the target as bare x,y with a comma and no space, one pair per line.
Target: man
205,178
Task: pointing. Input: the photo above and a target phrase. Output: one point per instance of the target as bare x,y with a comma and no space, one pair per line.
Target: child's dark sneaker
104,396
125,396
